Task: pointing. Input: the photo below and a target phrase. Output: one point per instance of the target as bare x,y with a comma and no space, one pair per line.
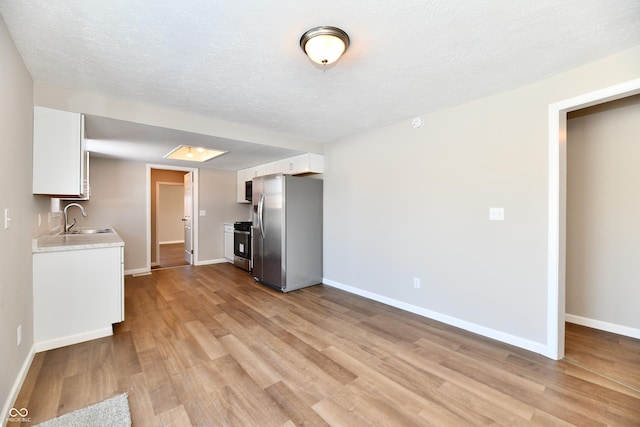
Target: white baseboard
171,242
211,261
73,339
603,326
136,271
17,385
449,320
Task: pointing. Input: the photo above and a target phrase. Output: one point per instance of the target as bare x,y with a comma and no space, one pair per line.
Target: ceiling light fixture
193,154
324,45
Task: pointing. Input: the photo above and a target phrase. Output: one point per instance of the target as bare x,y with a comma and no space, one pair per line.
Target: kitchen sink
91,231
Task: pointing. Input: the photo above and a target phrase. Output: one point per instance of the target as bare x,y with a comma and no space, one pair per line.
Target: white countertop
58,241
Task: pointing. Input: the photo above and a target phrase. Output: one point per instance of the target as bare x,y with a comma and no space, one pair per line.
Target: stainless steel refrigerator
287,231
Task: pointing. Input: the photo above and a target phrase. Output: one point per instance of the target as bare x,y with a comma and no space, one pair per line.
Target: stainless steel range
242,245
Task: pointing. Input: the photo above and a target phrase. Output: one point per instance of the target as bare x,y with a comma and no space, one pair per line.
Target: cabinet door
242,177
228,242
306,163
57,152
280,166
257,171
120,313
76,293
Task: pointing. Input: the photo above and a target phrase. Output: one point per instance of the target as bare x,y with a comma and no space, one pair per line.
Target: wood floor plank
152,367
263,374
377,408
313,335
208,345
171,255
140,405
608,353
336,415
44,400
30,381
308,381
370,378
206,340
176,417
242,398
299,412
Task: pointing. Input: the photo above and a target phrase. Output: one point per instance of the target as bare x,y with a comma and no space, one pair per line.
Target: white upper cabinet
304,163
245,175
255,172
242,177
60,161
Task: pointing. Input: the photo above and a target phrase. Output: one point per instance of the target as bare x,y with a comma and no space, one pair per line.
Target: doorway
170,240
557,205
171,225
602,329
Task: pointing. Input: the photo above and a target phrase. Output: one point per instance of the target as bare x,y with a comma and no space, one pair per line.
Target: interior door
188,217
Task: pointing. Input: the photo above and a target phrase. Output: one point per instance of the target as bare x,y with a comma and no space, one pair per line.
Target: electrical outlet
496,214
19,335
416,282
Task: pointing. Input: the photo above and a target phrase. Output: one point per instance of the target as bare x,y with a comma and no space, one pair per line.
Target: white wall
603,214
403,203
16,296
218,199
118,200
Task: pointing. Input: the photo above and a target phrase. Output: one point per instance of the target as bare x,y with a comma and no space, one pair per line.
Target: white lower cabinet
228,242
78,295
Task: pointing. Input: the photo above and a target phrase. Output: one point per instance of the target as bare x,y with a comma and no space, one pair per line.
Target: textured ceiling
240,60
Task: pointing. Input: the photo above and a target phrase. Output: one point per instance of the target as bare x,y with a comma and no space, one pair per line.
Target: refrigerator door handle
260,215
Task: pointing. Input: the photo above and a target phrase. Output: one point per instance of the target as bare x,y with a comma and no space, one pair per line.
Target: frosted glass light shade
324,45
193,154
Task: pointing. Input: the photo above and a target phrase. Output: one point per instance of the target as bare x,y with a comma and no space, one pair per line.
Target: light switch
203,213
496,214
7,219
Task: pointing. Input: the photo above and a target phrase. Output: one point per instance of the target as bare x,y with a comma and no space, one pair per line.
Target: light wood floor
208,346
171,255
614,356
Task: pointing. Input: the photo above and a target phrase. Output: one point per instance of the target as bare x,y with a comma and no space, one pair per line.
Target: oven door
242,243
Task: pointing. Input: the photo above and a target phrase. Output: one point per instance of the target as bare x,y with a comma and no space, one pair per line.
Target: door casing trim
557,192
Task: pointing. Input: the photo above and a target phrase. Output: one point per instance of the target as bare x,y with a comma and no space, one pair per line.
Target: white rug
112,412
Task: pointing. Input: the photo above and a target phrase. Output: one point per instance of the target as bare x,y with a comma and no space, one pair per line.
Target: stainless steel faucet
68,226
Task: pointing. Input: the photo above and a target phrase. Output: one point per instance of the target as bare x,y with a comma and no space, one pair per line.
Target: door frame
556,228
194,222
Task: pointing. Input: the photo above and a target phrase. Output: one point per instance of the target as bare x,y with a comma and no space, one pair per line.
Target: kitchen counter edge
58,241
